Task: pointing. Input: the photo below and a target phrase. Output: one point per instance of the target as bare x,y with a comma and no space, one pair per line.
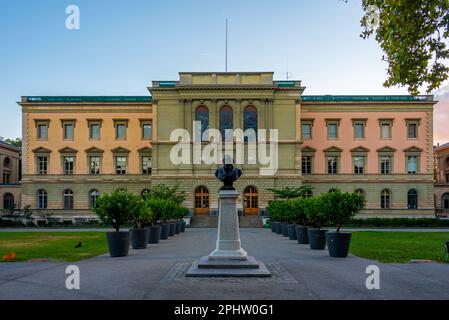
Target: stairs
212,222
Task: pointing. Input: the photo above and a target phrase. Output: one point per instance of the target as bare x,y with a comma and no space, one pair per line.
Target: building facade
10,175
76,148
442,179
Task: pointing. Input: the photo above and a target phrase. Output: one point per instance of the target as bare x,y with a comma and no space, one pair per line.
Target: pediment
94,150
308,149
145,150
360,149
68,150
41,150
386,149
333,149
413,149
120,150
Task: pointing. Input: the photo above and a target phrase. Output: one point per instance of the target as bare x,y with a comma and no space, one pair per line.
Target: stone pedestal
228,259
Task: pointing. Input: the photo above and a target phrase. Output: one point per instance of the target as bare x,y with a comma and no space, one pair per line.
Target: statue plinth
228,239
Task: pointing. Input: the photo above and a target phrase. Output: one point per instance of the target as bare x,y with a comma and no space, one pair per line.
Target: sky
122,46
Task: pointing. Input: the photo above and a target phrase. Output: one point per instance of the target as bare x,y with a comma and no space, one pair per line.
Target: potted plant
301,221
114,209
290,216
141,214
339,207
158,207
313,208
277,209
182,212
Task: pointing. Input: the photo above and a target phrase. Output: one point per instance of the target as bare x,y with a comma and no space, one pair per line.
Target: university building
76,148
442,179
10,175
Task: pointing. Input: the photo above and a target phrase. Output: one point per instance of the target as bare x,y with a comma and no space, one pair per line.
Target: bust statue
228,174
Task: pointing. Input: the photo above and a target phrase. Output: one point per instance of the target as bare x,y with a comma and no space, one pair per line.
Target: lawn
59,246
400,247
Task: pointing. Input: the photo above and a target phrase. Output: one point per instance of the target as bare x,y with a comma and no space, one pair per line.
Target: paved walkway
157,273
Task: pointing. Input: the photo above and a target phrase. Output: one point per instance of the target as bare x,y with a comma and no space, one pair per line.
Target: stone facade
278,105
10,175
442,179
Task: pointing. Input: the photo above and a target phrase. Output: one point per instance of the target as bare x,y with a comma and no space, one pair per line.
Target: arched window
68,199
251,201
226,121
8,202
412,199
42,199
385,199
250,121
360,192
445,201
93,196
201,201
144,193
202,116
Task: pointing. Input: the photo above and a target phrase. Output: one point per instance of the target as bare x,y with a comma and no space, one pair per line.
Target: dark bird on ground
79,245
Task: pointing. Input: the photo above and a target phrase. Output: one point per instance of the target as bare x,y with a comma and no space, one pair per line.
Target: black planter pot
301,235
118,243
317,239
183,226
139,238
338,244
171,231
273,226
278,228
284,229
178,227
165,228
291,231
155,234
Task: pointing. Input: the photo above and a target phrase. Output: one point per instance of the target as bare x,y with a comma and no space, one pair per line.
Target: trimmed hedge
398,222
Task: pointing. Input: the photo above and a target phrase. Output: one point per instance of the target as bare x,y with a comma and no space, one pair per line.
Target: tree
292,192
162,191
414,35
17,142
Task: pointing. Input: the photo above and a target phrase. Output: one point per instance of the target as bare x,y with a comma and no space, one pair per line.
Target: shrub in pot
114,209
339,208
273,209
313,208
141,214
182,212
169,216
278,210
160,207
302,222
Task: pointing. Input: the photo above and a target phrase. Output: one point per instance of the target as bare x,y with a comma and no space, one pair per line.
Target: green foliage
17,142
162,209
298,212
280,210
141,213
115,208
413,36
339,207
291,192
181,212
162,191
313,209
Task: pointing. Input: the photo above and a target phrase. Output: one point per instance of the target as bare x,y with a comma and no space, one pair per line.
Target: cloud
441,115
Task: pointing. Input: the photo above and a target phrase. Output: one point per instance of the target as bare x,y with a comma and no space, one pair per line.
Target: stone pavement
158,273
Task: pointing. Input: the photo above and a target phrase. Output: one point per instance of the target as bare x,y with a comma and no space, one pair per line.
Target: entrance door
251,202
202,201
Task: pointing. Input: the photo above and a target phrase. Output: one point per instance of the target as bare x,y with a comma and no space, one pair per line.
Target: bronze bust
228,174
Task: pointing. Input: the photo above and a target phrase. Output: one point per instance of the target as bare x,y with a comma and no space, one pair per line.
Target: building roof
349,98
86,99
441,146
9,146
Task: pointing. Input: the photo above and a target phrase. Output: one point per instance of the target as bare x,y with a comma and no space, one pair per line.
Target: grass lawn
400,247
52,245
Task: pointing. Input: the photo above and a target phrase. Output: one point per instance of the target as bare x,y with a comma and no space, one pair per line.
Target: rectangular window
306,131
120,165
94,165
332,165
359,165
359,130
385,165
447,177
42,131
42,165
68,131
146,165
94,133
412,130
332,130
147,131
412,164
306,165
120,131
385,131
6,179
69,164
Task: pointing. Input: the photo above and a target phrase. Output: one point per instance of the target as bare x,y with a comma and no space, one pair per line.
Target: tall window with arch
412,199
385,199
202,116
226,121
250,121
68,199
93,196
42,199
